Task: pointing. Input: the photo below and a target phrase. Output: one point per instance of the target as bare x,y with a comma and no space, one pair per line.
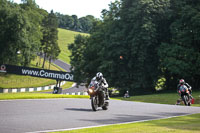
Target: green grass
66,37
67,85
162,98
16,81
9,96
183,124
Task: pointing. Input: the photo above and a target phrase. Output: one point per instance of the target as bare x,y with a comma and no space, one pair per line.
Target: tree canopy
139,42
83,24
23,28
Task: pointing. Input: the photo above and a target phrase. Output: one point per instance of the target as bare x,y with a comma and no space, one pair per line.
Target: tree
78,48
65,21
86,23
180,57
34,33
14,28
50,46
139,42
83,24
93,55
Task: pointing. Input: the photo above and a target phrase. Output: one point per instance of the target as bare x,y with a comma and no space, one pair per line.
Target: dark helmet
182,81
99,76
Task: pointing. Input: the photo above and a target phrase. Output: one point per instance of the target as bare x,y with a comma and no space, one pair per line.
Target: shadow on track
79,109
120,118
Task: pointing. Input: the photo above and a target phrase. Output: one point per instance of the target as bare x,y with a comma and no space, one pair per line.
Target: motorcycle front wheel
94,103
186,100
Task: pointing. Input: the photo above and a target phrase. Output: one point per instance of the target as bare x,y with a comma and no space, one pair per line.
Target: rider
182,82
102,81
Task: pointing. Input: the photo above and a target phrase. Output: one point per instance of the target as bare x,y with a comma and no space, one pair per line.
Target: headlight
90,90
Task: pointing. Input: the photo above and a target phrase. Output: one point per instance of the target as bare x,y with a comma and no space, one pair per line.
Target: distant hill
65,37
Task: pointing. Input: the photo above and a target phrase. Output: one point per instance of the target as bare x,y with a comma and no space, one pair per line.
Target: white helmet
99,76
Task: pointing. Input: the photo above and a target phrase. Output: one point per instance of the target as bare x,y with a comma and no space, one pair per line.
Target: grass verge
10,96
162,98
183,124
18,81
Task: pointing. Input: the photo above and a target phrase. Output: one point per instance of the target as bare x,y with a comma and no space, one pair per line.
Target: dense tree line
83,24
25,31
141,42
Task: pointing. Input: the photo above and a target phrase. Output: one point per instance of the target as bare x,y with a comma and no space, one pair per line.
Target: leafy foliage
50,46
13,32
180,57
22,30
83,24
139,42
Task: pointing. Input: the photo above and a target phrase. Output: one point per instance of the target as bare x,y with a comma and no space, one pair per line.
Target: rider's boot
107,97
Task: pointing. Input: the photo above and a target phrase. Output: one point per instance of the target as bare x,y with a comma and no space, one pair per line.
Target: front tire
94,103
186,100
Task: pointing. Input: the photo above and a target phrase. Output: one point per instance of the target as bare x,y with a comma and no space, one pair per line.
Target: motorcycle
184,93
97,96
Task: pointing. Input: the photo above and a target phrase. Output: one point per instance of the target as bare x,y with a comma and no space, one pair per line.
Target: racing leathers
103,83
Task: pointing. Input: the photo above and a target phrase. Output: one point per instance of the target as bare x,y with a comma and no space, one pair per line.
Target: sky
81,8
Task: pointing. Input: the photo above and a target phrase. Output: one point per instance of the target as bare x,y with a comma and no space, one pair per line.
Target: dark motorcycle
184,93
97,96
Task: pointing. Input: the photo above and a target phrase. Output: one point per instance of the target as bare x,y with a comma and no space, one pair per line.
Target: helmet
182,81
99,76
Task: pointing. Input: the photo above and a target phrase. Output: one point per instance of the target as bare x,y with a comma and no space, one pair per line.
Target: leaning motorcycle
97,96
184,93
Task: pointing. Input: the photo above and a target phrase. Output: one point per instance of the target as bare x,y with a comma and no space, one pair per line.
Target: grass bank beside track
181,124
162,98
19,81
66,37
12,96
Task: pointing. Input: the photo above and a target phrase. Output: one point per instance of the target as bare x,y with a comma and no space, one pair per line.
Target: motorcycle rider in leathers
182,82
102,81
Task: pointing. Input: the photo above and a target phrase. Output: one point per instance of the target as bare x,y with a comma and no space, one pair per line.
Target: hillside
15,81
65,37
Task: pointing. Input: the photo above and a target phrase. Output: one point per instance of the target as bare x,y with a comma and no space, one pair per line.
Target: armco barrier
29,89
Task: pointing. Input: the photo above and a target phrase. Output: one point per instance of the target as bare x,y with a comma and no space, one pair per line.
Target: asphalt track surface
66,67
62,64
45,115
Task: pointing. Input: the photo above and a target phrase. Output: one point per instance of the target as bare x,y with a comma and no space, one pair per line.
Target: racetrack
43,115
